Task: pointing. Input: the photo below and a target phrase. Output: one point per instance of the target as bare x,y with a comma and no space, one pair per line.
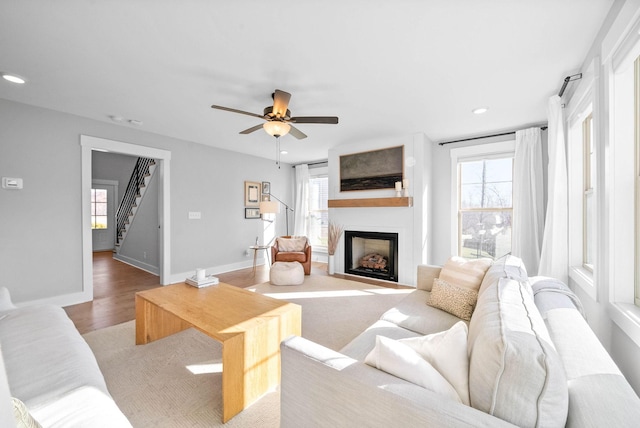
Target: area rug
176,381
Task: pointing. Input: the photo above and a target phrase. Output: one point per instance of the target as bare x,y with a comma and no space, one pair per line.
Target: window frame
318,172
94,209
583,105
588,189
494,150
619,279
462,211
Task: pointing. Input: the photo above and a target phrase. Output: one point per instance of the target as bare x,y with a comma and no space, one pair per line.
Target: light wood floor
115,284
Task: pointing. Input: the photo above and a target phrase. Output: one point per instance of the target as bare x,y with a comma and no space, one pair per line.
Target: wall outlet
195,215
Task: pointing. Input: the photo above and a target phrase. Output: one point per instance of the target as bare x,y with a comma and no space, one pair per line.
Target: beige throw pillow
465,273
293,244
458,301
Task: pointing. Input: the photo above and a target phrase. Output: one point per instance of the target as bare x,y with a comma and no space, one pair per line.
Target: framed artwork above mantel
372,170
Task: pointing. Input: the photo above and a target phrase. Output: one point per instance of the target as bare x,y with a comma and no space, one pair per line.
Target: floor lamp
271,207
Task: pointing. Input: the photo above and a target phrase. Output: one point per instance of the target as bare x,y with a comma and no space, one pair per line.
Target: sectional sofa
527,355
50,370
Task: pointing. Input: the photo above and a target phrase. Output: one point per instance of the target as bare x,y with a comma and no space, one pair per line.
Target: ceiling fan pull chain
278,152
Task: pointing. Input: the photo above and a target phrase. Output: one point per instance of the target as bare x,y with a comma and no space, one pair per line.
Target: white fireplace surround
412,224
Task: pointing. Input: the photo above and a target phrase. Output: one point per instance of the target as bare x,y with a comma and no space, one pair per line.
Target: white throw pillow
465,273
446,351
401,361
22,416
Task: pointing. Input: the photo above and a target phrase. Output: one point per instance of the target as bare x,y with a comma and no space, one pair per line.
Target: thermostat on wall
11,183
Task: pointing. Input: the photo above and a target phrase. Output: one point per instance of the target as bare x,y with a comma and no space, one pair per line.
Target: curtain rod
484,136
311,163
567,80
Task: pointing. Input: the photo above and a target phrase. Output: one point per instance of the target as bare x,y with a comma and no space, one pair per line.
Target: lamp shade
269,207
276,128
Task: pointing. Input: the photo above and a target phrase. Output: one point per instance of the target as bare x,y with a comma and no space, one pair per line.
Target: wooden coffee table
250,327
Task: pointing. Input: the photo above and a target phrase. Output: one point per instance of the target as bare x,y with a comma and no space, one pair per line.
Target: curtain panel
554,258
528,198
301,199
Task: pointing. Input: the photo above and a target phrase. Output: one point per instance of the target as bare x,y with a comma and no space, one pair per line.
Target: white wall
141,246
411,223
40,226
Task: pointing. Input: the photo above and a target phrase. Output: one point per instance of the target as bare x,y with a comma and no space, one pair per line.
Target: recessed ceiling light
480,110
14,78
284,152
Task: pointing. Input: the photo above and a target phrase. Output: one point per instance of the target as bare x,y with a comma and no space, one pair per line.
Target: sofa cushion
515,372
446,352
414,314
458,301
293,244
45,356
465,273
361,345
402,361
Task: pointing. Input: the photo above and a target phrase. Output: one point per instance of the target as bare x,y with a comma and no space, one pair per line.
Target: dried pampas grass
335,231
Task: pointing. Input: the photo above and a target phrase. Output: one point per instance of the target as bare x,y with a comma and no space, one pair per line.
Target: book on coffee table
207,281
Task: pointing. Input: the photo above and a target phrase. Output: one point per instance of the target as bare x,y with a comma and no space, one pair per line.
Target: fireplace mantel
406,201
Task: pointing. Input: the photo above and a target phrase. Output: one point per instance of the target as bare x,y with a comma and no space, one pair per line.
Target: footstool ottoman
286,273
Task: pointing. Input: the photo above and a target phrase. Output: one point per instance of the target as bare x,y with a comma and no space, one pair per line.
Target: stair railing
136,182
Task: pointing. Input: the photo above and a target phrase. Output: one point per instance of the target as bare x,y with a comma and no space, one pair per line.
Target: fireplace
371,254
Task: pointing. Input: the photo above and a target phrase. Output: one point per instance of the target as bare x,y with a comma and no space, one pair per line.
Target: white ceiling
385,68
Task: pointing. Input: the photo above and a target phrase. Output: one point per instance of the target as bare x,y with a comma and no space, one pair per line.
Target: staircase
142,173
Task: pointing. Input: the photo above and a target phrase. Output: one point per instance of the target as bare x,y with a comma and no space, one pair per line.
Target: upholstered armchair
292,249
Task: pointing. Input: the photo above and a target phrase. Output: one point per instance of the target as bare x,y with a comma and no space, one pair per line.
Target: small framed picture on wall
251,194
252,213
266,188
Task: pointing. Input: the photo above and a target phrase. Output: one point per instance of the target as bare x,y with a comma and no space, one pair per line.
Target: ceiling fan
278,117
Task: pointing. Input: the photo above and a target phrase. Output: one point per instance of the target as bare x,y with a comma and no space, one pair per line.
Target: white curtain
302,200
527,198
554,259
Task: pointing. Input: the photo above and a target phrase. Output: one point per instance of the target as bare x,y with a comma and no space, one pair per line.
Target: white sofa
533,361
51,369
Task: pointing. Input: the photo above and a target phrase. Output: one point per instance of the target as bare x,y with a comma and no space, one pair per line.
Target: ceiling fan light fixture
276,128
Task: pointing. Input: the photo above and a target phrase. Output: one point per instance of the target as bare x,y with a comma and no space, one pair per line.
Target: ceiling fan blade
233,110
280,103
315,119
297,133
252,129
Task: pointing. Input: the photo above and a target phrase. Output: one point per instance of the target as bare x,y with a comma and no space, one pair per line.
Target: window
485,207
588,201
98,208
318,209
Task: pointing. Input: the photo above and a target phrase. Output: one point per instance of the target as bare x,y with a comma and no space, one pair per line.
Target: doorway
163,158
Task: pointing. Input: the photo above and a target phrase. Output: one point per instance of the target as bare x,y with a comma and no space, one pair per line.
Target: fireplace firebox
371,254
